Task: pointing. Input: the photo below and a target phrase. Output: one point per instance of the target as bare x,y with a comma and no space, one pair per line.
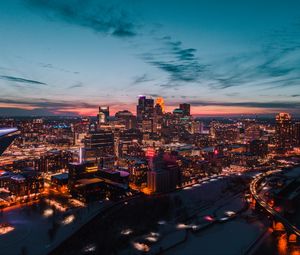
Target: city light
149,127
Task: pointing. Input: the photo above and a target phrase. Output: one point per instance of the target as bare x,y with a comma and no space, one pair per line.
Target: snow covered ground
232,237
31,228
209,230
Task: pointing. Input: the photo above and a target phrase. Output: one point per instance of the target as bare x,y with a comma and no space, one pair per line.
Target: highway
267,207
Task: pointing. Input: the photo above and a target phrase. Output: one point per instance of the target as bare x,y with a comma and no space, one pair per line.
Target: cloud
54,105
276,64
295,95
77,85
20,80
266,105
103,18
141,79
181,64
50,66
19,112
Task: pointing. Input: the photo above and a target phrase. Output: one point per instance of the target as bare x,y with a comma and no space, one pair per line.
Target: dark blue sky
224,57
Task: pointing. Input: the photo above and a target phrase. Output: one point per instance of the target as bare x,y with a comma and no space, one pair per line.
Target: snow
31,228
231,238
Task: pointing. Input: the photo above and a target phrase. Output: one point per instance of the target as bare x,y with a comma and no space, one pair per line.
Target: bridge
280,223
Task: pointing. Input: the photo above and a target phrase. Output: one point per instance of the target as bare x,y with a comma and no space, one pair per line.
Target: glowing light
48,212
282,245
182,226
152,237
229,213
80,155
69,219
209,218
5,228
150,153
57,205
141,246
126,232
89,248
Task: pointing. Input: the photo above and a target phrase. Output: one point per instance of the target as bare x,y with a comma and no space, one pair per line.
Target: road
267,207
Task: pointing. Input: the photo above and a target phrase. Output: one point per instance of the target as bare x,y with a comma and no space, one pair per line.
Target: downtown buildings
72,152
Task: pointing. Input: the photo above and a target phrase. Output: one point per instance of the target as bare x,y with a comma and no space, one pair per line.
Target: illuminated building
81,170
186,108
160,101
252,131
128,119
60,180
103,114
25,183
129,142
147,126
145,108
283,132
178,112
165,174
158,119
99,145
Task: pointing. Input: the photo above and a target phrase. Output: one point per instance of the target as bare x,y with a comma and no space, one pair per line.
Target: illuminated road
268,208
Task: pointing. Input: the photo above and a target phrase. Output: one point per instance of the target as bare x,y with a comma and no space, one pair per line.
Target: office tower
165,173
103,114
127,118
252,131
145,108
186,108
145,114
160,101
283,132
99,145
157,119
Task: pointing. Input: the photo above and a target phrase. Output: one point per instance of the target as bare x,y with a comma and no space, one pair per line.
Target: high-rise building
145,113
145,108
103,114
283,132
186,108
99,145
160,101
127,118
165,173
252,131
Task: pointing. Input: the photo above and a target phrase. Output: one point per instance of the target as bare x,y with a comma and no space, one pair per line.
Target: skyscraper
145,108
103,114
127,118
145,112
186,108
283,132
160,101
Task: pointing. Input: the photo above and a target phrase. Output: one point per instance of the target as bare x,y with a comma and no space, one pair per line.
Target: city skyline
69,57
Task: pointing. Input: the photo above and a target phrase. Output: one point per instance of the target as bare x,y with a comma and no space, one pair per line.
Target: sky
230,57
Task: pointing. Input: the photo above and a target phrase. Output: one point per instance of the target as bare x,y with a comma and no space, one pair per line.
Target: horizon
76,55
